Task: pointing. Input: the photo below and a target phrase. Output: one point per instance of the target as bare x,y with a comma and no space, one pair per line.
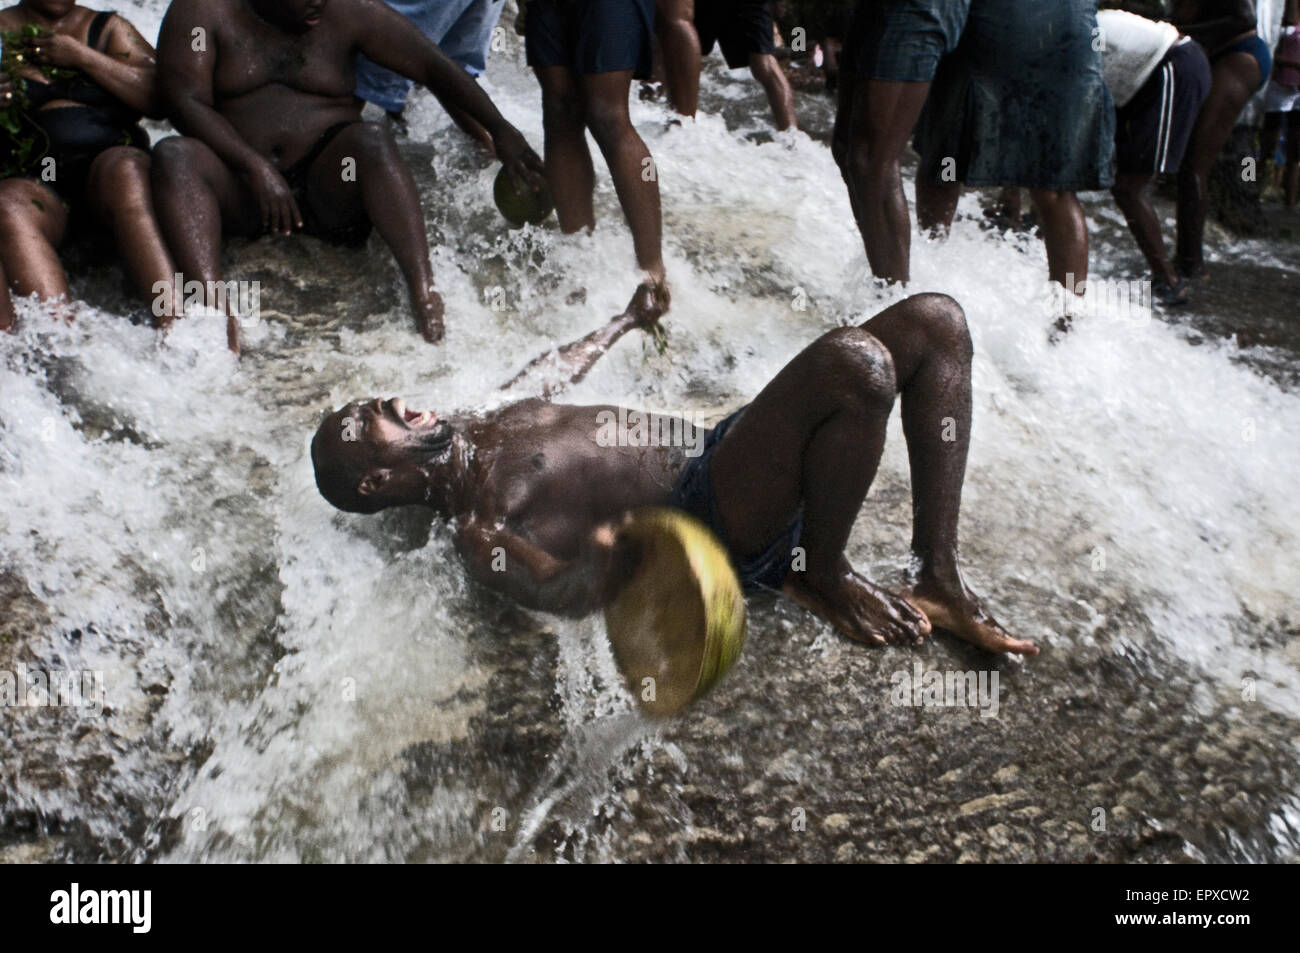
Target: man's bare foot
428,316
858,609
952,606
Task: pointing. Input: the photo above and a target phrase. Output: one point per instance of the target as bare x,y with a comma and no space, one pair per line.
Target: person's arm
519,568
393,41
185,76
128,69
569,364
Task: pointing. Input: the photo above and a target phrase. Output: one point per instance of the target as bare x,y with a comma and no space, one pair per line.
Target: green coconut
527,206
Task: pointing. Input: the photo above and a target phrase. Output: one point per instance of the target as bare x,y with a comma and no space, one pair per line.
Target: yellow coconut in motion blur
678,622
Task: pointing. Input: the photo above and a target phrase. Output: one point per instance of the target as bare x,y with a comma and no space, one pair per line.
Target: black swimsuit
78,134
352,234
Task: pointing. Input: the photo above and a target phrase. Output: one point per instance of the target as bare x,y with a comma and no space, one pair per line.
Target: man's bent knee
853,361
372,140
180,157
942,322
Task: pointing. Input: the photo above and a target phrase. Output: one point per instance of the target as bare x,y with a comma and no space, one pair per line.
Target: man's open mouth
414,418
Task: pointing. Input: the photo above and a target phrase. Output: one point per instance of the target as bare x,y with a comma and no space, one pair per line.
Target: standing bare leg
568,160
872,126
779,94
1065,233
675,27
635,178
1235,77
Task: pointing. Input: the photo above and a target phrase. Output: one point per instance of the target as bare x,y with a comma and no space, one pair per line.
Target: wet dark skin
270,78
33,218
530,480
1234,79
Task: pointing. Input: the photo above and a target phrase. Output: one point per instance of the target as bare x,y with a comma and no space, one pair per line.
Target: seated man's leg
196,197
605,96
813,438
569,170
383,191
929,344
779,94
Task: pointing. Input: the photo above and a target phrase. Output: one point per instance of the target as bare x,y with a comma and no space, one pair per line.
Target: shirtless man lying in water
263,92
790,469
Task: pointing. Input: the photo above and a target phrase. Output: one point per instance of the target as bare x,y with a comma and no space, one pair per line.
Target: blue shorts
902,40
693,493
1256,47
461,28
591,36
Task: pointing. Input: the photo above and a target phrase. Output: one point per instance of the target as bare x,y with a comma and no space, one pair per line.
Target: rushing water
285,682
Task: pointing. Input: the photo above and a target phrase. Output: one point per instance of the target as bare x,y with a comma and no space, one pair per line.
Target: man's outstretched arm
533,577
555,370
393,42
187,59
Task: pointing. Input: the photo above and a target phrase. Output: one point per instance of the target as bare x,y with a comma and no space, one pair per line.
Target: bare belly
283,123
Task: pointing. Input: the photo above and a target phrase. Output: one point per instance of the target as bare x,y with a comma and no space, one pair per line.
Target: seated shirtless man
273,138
789,470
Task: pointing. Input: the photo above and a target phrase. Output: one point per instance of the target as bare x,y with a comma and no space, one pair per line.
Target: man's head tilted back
372,455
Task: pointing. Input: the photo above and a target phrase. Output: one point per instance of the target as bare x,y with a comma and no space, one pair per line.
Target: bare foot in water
952,606
428,316
858,609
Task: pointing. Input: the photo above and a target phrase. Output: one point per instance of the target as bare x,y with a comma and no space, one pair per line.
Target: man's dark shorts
902,40
740,27
693,493
1153,128
591,36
